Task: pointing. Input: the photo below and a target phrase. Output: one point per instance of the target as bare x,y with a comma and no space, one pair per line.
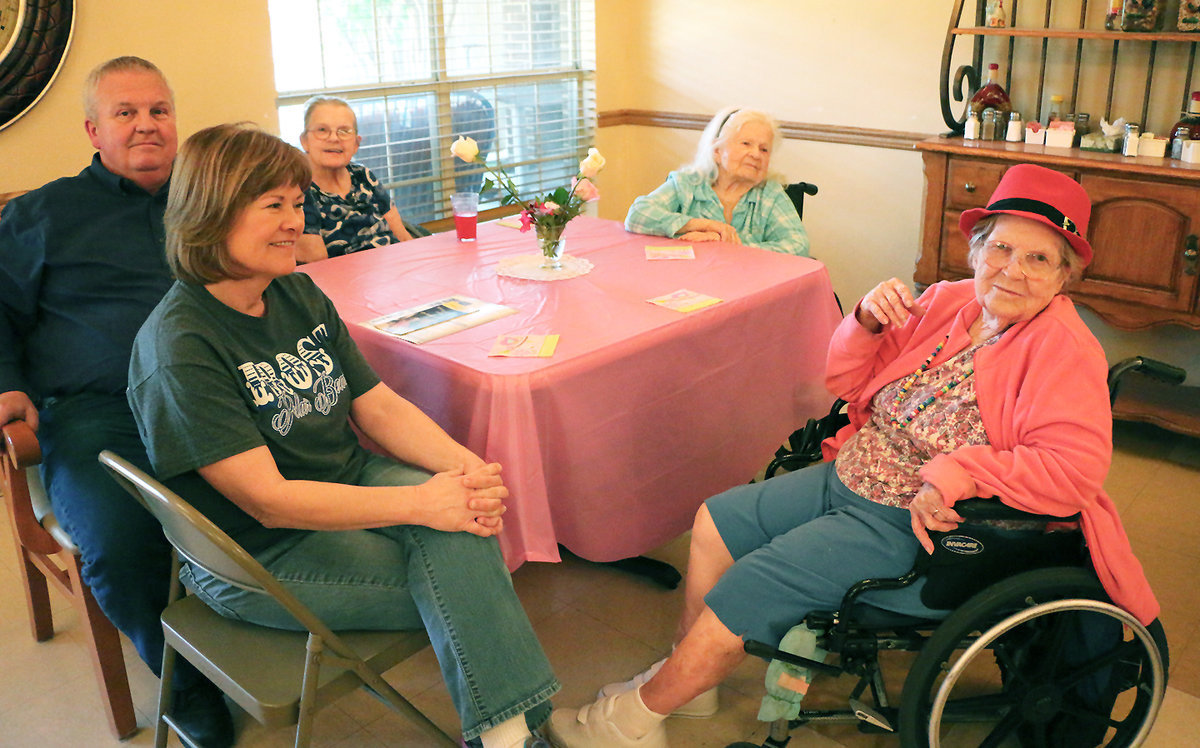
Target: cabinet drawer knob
969,187
1190,254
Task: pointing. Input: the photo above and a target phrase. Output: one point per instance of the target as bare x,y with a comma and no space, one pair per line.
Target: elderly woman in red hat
989,387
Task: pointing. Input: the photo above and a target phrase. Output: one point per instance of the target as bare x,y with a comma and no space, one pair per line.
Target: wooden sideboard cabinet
1144,228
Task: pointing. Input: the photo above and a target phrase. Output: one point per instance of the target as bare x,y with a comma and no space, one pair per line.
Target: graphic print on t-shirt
297,382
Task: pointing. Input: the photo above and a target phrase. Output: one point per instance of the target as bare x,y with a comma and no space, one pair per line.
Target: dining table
609,445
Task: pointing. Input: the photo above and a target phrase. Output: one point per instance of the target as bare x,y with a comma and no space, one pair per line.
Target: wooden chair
46,554
279,677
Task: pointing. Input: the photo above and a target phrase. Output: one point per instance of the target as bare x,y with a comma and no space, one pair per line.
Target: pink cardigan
1043,396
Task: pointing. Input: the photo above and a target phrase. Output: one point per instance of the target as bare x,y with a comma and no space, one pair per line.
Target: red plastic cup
466,214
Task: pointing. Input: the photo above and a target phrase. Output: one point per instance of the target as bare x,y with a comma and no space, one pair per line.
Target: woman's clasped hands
708,230
889,303
466,500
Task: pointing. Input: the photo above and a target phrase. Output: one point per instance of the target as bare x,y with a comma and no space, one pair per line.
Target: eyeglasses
342,133
1036,265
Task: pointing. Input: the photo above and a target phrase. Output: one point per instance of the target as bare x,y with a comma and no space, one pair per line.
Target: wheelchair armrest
1152,368
978,510
868,585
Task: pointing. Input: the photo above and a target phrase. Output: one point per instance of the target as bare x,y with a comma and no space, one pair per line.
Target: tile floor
599,625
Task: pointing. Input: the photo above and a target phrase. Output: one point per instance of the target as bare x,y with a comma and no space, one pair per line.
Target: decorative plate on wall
34,38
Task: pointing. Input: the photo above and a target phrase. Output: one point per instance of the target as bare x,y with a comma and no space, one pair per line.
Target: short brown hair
117,65
219,172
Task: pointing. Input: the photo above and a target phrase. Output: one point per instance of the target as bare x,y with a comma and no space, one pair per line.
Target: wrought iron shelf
1083,34
1131,53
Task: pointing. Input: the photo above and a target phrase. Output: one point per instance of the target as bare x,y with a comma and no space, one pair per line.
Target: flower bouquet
548,214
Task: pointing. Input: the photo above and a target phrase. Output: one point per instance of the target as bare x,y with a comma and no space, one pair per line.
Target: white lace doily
530,267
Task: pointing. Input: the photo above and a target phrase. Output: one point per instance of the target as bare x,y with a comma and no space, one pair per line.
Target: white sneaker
593,727
704,705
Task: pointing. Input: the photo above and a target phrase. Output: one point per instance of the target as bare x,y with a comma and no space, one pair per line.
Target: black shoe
200,711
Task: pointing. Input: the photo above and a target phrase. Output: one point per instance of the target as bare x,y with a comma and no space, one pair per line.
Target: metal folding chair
279,677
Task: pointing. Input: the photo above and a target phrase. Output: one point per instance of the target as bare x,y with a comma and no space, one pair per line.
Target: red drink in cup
466,214
465,226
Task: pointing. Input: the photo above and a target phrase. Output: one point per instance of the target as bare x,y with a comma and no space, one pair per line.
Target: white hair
725,125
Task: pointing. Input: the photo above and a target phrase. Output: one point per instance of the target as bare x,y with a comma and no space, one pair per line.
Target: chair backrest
797,191
196,538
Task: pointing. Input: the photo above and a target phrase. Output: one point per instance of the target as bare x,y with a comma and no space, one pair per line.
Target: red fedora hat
1041,195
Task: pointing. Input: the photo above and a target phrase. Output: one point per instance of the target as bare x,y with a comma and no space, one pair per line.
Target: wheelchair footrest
870,716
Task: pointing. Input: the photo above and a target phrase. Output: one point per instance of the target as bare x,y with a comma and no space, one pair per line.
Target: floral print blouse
881,461
354,222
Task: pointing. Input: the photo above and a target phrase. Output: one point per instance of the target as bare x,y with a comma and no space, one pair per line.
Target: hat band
1026,205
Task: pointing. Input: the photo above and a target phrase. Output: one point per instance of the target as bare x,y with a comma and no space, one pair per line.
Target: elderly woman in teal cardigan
727,193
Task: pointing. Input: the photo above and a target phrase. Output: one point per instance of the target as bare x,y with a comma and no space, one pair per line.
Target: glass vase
552,244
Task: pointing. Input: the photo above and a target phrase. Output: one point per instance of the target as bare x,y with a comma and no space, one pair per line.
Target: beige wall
869,65
216,55
858,65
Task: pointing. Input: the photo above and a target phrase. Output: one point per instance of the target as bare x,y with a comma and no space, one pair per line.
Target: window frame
580,75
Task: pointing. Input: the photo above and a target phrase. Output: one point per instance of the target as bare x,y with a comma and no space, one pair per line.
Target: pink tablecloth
610,445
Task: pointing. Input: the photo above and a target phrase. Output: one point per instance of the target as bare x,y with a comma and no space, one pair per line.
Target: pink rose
585,190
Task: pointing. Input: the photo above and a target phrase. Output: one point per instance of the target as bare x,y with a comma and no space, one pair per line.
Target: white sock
511,733
632,715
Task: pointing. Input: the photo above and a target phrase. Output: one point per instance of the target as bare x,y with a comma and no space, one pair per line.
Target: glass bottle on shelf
1056,108
1139,15
992,95
1187,128
995,16
1112,19
1083,124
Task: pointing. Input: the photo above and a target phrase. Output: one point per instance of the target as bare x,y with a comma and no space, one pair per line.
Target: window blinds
516,75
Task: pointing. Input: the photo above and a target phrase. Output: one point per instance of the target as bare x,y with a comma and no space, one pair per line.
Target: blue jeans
452,584
124,558
799,541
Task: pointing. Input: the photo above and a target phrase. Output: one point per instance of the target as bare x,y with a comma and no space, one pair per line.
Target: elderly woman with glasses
346,209
989,387
727,193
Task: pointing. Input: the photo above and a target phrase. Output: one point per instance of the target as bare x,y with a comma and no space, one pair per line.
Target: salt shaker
971,127
1016,129
1132,136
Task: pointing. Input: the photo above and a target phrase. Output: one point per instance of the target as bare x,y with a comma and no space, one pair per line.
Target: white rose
591,165
465,148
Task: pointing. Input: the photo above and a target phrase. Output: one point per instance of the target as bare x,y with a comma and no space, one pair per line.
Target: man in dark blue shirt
82,265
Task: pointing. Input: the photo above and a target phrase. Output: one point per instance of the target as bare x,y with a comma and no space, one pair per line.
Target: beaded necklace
902,390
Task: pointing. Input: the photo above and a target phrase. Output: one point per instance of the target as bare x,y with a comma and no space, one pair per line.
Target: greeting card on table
528,346
437,319
684,300
670,253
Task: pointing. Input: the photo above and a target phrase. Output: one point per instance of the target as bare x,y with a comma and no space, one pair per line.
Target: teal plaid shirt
764,217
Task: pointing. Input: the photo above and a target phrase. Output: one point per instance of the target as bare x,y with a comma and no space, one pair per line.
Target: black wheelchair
1031,653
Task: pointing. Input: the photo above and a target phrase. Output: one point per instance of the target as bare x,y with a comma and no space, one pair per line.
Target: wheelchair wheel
1050,662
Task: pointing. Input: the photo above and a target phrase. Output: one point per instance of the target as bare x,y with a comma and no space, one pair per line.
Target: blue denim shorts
799,541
